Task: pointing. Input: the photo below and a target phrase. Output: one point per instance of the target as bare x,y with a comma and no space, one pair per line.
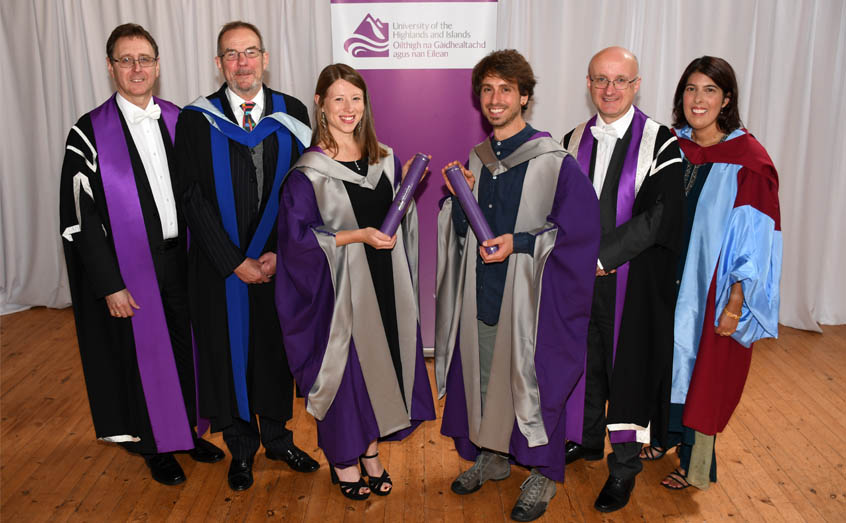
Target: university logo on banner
417,54
370,39
410,35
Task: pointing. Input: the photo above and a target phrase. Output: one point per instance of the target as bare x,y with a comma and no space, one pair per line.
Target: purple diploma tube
471,207
404,194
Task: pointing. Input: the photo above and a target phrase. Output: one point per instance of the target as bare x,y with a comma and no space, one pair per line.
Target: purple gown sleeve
569,274
304,290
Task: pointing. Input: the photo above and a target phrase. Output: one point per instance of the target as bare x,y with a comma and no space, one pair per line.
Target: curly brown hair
509,65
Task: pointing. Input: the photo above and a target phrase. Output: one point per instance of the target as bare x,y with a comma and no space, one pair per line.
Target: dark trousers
243,438
170,264
678,434
623,462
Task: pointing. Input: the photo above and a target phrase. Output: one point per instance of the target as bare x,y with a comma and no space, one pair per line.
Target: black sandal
375,484
652,453
350,489
678,477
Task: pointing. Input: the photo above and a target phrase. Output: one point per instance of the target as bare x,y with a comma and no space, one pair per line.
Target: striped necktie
249,124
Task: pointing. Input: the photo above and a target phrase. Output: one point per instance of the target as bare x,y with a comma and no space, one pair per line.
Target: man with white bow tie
635,166
125,247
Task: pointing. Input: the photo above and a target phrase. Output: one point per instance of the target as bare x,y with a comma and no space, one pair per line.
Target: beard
504,119
244,81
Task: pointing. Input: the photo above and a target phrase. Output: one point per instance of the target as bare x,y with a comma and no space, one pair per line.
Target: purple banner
448,125
417,60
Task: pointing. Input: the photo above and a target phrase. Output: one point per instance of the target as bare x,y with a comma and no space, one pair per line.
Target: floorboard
781,457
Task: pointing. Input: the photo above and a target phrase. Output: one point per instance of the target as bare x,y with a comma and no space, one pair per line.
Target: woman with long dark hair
347,293
729,269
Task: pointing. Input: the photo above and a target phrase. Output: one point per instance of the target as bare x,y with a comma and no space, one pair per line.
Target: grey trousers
487,341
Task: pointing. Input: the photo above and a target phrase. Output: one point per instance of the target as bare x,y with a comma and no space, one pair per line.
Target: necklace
690,171
362,167
712,142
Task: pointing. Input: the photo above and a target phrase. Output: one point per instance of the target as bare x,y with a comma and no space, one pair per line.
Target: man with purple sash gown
635,166
511,327
124,242
233,149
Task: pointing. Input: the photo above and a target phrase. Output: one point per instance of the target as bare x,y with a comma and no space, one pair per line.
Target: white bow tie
606,133
153,113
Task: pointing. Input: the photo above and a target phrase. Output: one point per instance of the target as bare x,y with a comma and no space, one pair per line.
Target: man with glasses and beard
233,148
124,241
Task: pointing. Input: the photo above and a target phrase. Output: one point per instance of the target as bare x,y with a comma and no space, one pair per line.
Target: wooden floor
781,456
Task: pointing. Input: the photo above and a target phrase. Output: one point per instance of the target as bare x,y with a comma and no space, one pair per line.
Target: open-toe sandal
652,453
350,489
678,478
376,484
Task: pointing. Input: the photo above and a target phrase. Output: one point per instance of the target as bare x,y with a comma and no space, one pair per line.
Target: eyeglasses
127,62
230,55
620,84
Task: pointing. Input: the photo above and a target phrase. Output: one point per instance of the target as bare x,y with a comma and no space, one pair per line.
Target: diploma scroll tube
471,207
404,194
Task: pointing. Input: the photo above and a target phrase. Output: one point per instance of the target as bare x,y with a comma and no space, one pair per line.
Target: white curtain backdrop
56,49
790,57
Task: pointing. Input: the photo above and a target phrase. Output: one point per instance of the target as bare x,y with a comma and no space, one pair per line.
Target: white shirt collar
129,109
620,125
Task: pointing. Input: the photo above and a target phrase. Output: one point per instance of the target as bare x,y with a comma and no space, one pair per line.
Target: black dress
370,207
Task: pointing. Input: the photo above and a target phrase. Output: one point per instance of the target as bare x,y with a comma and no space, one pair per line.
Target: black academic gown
212,256
637,385
106,344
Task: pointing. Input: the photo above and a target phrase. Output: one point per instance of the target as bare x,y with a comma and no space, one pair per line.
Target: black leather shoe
294,457
574,452
241,474
165,469
614,495
205,452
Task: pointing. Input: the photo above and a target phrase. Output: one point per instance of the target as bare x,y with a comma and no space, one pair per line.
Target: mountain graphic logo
369,40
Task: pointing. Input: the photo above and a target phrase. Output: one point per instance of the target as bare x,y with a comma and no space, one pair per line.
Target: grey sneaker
532,503
489,465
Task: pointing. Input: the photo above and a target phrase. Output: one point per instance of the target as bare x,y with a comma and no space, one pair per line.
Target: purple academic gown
103,345
561,337
305,301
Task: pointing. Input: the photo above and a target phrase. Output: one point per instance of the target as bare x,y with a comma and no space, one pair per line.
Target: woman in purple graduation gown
347,293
